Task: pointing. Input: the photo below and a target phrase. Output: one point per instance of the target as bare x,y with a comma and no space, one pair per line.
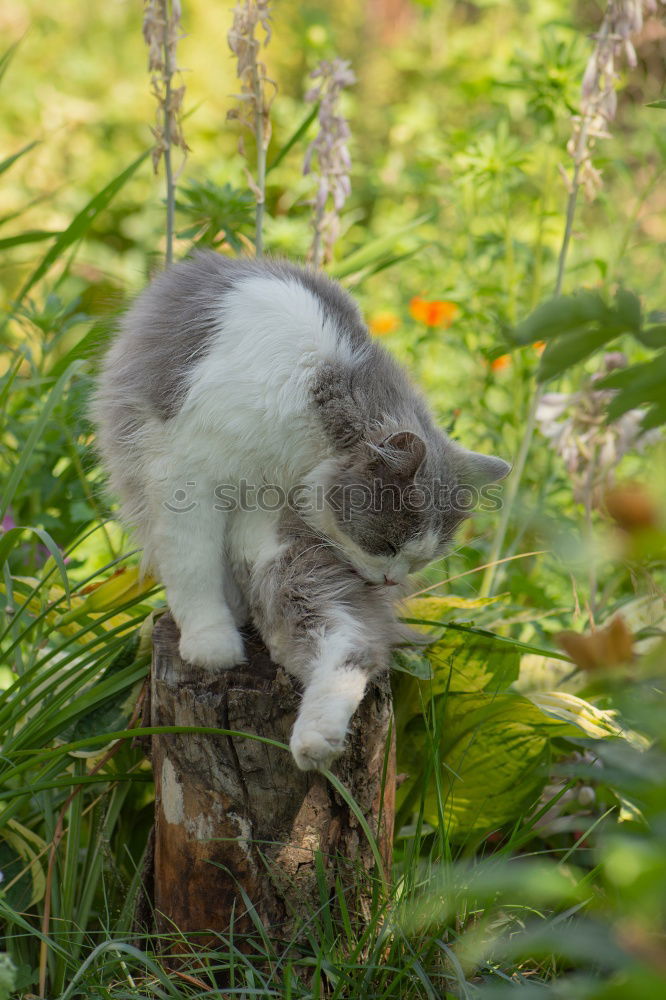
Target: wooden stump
232,812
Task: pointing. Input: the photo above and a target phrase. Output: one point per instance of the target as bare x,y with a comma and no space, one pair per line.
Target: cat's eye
391,549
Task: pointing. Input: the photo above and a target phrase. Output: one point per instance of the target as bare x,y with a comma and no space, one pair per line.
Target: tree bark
234,813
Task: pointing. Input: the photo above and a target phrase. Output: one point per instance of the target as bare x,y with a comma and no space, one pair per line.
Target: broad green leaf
653,336
639,384
624,377
492,762
80,225
655,417
492,746
575,326
637,376
593,721
561,315
413,662
571,348
432,607
628,310
458,663
472,663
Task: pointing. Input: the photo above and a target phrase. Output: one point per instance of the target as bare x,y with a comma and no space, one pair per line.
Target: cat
277,466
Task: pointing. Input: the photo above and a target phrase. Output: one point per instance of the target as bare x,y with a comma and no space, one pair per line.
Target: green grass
530,849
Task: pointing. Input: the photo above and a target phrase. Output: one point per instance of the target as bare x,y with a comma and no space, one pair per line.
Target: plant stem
488,580
316,251
511,493
168,167
261,161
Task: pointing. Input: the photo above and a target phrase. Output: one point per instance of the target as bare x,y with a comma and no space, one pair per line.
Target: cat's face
394,507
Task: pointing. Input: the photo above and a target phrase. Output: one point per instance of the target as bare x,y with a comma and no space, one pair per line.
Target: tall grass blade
6,163
35,435
293,139
79,226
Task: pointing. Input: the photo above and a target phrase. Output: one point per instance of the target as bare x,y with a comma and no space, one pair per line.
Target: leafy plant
217,214
575,327
473,752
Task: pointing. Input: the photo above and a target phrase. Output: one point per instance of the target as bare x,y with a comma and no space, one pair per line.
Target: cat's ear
403,453
478,470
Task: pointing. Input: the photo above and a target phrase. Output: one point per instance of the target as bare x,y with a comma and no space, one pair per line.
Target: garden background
531,842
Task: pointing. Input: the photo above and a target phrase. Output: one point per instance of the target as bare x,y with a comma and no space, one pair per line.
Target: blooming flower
433,312
500,363
383,322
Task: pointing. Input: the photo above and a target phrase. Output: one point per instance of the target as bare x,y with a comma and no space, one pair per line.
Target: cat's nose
390,583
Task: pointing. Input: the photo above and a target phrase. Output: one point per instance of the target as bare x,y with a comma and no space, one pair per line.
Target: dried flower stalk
623,18
255,98
334,161
161,32
576,426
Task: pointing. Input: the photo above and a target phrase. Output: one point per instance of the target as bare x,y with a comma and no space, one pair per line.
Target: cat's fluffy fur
263,372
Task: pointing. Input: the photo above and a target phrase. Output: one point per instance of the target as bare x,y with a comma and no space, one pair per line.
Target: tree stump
232,812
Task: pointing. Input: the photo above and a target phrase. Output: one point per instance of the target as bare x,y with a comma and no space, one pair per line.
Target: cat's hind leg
186,545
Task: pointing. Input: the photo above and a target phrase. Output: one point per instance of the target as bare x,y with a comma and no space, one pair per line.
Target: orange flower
503,361
433,313
383,322
539,346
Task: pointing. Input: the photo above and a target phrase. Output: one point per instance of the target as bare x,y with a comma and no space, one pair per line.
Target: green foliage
575,327
7,976
218,214
530,836
474,752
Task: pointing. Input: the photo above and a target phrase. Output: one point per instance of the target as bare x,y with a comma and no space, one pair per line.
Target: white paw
312,750
214,647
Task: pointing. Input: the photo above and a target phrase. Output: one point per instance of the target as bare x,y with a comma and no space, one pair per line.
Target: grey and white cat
277,465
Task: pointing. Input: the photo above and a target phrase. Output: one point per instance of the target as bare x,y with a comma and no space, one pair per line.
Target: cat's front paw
215,647
312,750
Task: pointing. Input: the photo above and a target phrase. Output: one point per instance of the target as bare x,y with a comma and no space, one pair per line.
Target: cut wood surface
233,813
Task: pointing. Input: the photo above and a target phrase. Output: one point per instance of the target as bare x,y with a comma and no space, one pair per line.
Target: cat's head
391,507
